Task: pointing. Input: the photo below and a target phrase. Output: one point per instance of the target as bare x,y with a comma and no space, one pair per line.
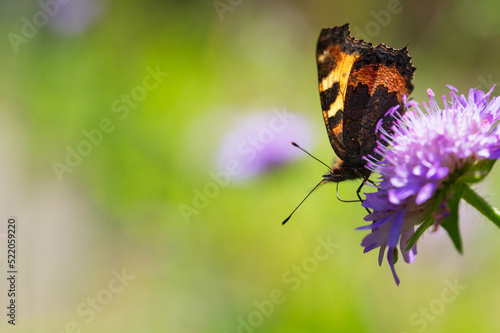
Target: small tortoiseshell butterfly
358,84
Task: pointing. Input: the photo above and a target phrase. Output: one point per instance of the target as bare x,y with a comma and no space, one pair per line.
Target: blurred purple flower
261,141
76,16
422,163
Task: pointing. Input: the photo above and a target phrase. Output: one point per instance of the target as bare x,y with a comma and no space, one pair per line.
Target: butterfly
358,84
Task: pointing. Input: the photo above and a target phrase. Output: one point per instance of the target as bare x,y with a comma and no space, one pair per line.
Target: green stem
481,205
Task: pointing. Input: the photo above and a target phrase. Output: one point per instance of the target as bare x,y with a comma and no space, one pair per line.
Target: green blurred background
228,266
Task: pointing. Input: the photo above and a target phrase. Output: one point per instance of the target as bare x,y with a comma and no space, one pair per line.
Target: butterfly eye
337,171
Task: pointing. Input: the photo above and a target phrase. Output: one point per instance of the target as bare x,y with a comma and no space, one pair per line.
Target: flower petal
381,253
395,230
425,193
409,256
390,260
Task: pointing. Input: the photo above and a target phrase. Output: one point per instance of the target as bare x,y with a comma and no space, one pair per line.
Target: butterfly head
342,170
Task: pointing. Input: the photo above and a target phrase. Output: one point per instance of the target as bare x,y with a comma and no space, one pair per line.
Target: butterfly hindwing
378,80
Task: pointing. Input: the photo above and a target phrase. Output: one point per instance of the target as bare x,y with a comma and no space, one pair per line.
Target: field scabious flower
260,141
427,165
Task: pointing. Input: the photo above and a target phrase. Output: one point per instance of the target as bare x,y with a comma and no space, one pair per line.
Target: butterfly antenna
315,187
308,153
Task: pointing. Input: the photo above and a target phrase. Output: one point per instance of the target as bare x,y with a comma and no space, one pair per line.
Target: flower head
76,17
261,141
426,165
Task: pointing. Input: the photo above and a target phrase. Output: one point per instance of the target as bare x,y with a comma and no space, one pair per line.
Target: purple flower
425,163
261,141
72,18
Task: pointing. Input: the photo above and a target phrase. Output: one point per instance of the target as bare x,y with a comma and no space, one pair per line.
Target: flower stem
481,205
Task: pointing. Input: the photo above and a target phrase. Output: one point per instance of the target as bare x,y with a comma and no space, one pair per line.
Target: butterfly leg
342,200
359,190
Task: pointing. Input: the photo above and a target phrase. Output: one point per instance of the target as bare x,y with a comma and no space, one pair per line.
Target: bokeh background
183,191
